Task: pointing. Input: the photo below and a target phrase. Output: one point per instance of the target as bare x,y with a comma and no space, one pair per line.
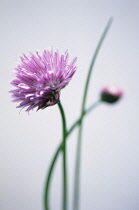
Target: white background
110,152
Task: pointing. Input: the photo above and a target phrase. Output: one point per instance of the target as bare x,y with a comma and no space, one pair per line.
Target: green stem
79,143
53,162
64,156
63,149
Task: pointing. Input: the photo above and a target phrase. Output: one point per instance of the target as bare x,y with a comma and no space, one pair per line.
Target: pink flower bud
111,94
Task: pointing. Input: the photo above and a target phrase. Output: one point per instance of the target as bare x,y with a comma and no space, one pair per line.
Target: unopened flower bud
111,94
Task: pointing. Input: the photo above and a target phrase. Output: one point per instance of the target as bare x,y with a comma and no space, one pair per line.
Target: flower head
40,78
111,94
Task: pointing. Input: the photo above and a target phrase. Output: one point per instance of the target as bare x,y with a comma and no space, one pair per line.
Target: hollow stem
64,150
57,152
79,142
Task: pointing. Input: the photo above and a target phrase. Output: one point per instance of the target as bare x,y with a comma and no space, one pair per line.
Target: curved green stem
58,150
64,150
79,143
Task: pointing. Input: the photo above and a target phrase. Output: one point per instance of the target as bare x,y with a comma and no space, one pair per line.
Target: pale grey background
110,172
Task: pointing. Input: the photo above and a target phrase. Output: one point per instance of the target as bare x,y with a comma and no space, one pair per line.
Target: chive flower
39,79
111,94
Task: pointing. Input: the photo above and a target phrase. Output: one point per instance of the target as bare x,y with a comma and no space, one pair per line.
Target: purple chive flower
40,78
111,94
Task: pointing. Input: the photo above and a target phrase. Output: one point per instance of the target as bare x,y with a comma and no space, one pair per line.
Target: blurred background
110,152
